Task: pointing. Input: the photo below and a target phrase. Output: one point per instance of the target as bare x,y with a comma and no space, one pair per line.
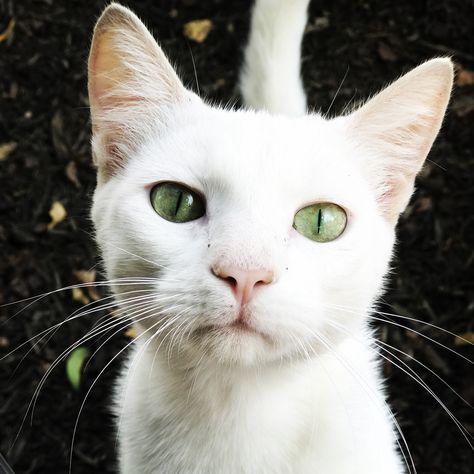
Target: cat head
253,238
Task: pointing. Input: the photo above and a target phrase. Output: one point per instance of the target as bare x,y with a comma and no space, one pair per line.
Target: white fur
304,394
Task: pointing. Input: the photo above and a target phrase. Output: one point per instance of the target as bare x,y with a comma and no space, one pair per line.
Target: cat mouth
243,323
238,327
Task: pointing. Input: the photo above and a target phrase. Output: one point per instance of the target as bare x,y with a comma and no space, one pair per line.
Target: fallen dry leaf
320,23
197,30
78,295
463,105
85,276
465,339
218,84
131,333
423,204
13,93
464,77
57,214
386,52
93,293
45,366
6,149
8,30
71,173
4,342
88,276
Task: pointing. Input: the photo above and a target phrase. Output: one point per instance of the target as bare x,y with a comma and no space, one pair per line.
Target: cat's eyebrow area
172,179
154,173
212,185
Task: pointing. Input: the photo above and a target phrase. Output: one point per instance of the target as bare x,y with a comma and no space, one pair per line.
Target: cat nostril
236,277
243,282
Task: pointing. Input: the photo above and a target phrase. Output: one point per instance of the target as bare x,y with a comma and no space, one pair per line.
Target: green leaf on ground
74,364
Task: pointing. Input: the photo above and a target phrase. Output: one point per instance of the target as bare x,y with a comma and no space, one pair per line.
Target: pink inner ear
395,196
101,63
106,74
93,94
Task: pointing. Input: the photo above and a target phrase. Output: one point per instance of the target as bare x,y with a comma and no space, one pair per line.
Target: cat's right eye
177,203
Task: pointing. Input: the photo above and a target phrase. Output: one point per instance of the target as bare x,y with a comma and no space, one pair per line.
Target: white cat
261,240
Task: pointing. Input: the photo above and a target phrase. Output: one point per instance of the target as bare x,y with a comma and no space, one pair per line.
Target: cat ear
396,129
131,86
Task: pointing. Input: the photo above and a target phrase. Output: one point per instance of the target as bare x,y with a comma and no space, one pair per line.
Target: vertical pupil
320,218
178,202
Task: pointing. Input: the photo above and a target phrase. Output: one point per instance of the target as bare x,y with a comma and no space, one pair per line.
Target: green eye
176,203
320,222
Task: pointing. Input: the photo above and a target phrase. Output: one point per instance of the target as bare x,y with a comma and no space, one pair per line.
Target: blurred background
47,179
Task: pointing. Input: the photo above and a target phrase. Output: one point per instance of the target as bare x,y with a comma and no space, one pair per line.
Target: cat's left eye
321,222
177,203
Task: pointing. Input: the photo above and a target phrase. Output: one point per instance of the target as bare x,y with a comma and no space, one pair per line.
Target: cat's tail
270,78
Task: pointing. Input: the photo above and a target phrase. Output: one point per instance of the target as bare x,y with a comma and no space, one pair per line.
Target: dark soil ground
44,119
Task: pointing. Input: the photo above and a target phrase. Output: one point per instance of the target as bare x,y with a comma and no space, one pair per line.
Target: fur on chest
276,421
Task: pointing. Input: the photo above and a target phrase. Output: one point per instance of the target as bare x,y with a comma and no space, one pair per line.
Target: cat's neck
213,390
261,419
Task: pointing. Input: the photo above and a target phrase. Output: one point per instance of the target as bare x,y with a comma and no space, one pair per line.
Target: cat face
253,172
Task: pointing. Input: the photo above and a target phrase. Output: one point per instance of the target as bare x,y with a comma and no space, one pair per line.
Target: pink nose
243,282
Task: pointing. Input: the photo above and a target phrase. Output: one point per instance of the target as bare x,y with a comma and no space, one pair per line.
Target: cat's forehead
253,153
260,141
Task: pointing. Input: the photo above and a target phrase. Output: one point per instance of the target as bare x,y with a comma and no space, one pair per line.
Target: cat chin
246,350
233,344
